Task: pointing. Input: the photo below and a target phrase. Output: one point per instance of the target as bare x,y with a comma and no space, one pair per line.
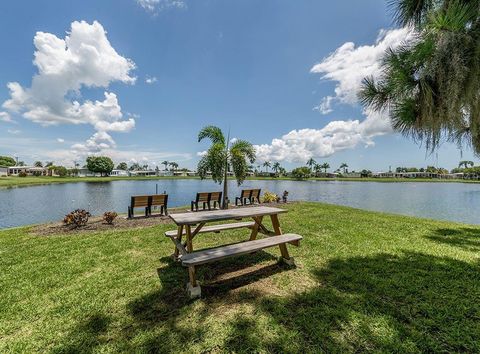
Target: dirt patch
96,224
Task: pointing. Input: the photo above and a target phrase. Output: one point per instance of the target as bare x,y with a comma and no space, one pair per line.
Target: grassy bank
6,182
365,282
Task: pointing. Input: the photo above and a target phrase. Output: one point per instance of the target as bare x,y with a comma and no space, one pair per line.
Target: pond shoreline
9,182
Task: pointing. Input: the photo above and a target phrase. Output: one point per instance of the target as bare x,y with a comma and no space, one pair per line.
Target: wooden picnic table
186,221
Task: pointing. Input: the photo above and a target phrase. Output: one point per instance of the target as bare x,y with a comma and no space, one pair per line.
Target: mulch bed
96,224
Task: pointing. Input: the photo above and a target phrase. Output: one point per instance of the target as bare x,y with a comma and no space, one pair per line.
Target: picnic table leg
256,227
193,288
179,238
283,247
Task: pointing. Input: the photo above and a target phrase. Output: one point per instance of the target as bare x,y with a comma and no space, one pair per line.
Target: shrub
77,218
109,217
269,197
22,174
60,171
301,172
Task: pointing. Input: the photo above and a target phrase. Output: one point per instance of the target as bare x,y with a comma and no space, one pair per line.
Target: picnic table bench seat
216,228
217,253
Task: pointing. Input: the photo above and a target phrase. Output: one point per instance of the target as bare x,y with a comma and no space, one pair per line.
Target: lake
443,201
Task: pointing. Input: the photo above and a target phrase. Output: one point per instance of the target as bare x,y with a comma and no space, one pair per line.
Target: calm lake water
445,201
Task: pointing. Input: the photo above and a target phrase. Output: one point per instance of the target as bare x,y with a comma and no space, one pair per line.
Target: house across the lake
3,171
119,173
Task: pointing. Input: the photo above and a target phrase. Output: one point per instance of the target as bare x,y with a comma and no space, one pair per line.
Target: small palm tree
465,164
311,163
166,163
267,164
173,165
38,164
344,166
318,168
221,157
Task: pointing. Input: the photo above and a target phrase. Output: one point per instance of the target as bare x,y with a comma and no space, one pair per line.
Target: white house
119,173
3,171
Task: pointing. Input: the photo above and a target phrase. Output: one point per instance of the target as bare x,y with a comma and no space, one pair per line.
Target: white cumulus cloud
346,66
5,117
60,140
83,59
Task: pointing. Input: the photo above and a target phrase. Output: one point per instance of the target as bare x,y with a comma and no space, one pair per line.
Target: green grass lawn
364,281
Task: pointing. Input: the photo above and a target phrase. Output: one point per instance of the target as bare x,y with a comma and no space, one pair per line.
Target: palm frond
213,133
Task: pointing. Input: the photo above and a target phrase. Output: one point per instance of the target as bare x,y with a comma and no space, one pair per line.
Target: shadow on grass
87,336
465,237
411,302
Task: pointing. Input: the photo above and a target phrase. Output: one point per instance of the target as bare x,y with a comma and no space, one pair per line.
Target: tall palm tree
311,163
222,156
344,166
325,166
429,85
173,165
166,163
318,168
267,164
276,166
465,164
38,164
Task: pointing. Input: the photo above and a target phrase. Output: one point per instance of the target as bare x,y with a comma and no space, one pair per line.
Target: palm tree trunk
225,187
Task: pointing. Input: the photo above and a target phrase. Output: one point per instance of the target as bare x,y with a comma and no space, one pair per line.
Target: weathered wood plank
215,254
215,228
220,215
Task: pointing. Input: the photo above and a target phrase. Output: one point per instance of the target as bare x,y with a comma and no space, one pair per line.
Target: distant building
28,170
119,173
143,173
3,171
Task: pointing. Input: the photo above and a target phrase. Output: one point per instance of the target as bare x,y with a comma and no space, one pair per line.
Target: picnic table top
192,218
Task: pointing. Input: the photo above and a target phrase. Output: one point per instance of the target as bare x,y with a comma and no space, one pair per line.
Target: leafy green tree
61,171
38,164
429,85
122,166
301,172
221,156
7,161
100,164
311,163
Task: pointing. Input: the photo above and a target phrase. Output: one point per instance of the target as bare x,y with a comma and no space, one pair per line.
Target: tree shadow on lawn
465,237
411,302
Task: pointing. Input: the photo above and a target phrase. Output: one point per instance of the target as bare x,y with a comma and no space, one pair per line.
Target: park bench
236,249
147,201
250,195
206,198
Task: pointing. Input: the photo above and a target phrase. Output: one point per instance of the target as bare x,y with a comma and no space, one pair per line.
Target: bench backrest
255,193
138,201
159,199
202,197
216,196
246,193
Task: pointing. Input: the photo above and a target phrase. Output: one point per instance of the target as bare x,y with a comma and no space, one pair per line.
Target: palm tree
325,166
173,165
429,85
344,166
38,164
267,164
311,163
465,164
221,156
276,167
318,168
166,163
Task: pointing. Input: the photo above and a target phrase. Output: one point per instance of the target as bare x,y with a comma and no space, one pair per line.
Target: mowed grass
364,282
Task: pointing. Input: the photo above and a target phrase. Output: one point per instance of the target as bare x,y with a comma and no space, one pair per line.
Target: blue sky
259,68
